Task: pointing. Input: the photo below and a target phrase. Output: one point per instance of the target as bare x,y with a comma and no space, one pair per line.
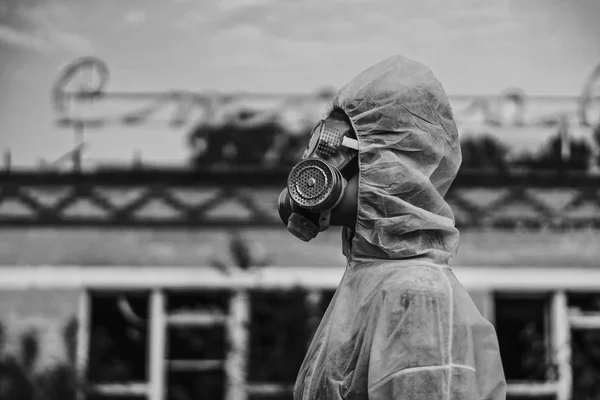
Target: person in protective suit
400,325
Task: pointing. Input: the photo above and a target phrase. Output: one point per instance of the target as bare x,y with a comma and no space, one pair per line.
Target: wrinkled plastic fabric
400,325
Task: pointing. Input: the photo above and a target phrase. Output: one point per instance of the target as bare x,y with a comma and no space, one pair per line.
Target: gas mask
316,185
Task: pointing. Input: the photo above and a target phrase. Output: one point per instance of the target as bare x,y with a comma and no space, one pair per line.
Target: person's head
322,187
408,154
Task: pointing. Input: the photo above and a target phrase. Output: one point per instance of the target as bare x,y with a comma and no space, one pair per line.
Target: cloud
21,39
135,17
39,27
70,41
45,41
237,5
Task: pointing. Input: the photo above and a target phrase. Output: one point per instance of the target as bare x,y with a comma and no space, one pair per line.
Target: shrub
550,156
483,152
19,380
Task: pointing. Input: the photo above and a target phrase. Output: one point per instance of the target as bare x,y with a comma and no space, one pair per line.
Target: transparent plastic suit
400,325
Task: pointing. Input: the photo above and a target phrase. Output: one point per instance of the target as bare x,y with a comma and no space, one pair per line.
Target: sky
473,46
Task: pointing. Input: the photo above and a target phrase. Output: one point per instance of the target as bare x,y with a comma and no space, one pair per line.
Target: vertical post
157,345
237,357
82,348
565,140
561,344
7,160
137,159
78,149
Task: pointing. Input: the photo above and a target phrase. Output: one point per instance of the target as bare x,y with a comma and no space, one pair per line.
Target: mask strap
350,143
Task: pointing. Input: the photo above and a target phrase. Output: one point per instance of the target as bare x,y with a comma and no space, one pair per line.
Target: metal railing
200,199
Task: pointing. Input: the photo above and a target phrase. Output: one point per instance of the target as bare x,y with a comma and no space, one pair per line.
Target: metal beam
268,177
193,199
514,279
157,346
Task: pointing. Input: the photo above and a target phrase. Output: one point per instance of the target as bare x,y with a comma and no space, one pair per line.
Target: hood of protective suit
400,325
409,154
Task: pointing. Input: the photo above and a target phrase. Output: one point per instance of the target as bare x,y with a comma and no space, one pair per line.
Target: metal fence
196,199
